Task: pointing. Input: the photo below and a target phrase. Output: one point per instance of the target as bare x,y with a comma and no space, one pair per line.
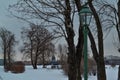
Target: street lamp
85,17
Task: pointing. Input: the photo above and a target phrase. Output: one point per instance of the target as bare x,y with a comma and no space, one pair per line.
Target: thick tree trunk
79,50
34,66
118,27
118,31
71,57
78,75
70,41
100,61
71,67
101,70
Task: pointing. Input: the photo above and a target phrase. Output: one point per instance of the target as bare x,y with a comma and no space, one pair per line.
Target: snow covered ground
50,74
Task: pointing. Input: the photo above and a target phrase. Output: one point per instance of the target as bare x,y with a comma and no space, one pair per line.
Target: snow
112,72
50,74
31,74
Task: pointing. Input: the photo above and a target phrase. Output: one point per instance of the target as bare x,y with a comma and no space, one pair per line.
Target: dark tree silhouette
37,40
7,44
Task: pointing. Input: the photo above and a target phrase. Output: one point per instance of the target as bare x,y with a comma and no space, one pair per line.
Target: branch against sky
48,12
110,17
60,15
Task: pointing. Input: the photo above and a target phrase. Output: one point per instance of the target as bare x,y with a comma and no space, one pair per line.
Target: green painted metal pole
85,53
85,14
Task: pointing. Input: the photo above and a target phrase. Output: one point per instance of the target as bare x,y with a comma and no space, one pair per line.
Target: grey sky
15,26
10,22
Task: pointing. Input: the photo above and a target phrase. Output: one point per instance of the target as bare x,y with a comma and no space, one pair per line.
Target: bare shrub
63,63
7,67
91,66
113,65
65,68
18,67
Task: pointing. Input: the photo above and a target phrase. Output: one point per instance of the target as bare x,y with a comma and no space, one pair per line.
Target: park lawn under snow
50,74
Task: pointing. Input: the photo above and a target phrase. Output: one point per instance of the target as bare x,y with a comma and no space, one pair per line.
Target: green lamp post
85,17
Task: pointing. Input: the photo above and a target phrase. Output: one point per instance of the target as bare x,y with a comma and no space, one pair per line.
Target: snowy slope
50,74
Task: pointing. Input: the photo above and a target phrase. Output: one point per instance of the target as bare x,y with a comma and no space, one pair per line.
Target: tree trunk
78,75
34,66
70,41
32,59
119,72
36,58
118,32
71,67
79,50
9,58
4,58
35,63
43,60
118,26
100,61
101,70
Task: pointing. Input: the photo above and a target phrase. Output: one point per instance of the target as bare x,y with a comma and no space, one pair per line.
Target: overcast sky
15,26
9,22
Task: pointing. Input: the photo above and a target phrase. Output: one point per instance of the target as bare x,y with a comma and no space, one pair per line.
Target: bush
63,63
113,65
65,68
91,66
7,67
17,67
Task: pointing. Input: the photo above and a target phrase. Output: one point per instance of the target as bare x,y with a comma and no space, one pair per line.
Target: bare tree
7,44
48,51
112,19
98,52
62,53
60,15
36,41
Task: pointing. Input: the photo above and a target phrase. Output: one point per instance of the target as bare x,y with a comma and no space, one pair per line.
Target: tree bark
43,59
9,58
118,32
79,48
70,41
119,72
100,61
118,27
4,58
100,69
